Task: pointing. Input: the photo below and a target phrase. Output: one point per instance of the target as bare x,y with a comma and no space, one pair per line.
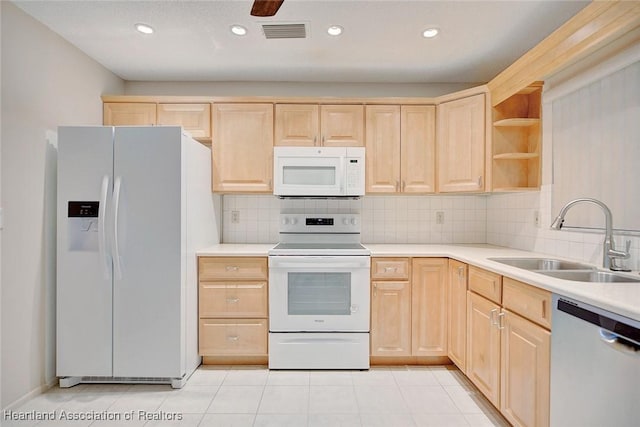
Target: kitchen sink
590,276
542,264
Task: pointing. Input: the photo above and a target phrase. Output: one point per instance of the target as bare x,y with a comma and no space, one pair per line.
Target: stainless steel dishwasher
595,367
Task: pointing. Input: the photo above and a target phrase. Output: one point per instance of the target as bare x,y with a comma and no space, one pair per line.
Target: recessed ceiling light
144,28
238,30
334,30
430,32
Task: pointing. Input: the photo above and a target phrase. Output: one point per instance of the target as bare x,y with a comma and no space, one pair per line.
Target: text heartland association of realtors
90,415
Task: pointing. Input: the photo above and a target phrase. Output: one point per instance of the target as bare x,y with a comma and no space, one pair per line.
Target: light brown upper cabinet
242,148
194,118
319,125
129,114
516,141
461,144
400,142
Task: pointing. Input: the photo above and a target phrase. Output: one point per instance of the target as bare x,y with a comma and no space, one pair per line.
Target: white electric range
319,294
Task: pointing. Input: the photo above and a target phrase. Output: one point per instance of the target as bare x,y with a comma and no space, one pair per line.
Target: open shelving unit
517,139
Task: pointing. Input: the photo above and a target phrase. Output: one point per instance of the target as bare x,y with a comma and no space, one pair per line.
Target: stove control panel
320,223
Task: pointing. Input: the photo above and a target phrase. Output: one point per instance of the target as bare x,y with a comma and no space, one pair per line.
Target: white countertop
621,298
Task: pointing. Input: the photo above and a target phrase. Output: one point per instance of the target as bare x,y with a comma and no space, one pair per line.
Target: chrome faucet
609,253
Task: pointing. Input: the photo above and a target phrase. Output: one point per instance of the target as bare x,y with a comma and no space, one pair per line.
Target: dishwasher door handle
619,343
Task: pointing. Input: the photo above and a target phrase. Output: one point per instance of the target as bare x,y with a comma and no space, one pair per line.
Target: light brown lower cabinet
391,318
233,337
508,351
457,318
483,346
409,307
525,368
232,306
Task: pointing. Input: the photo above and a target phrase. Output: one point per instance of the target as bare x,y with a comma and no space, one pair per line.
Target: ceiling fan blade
265,7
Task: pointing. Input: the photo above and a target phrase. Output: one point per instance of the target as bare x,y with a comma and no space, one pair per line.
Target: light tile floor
402,396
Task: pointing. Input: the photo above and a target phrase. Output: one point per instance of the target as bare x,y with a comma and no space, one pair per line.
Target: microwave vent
284,31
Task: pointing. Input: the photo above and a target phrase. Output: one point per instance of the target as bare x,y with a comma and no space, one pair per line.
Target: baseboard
30,395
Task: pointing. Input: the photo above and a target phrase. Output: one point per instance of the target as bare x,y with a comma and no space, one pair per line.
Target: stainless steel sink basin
542,264
590,276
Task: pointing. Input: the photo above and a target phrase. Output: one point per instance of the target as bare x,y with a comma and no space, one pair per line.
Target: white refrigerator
133,206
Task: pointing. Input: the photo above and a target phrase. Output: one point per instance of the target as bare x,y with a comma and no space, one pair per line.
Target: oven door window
319,294
309,175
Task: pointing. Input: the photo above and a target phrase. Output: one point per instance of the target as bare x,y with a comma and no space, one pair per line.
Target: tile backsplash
498,219
385,219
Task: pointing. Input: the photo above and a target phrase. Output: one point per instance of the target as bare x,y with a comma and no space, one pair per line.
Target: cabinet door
391,319
457,329
128,114
242,148
429,279
342,125
483,346
383,148
194,118
525,372
461,144
297,125
418,149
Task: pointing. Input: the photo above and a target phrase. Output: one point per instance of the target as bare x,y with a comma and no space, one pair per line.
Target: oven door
319,293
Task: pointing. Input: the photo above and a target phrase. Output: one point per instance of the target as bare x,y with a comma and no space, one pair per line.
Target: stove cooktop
302,249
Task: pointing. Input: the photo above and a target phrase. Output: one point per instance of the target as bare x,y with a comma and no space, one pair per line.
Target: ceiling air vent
284,31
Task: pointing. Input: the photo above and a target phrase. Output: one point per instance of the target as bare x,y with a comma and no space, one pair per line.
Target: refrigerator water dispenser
83,226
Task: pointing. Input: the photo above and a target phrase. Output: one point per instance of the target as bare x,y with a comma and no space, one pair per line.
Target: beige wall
46,82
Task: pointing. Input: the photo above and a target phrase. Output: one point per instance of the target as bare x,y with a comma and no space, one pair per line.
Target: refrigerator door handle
102,223
115,248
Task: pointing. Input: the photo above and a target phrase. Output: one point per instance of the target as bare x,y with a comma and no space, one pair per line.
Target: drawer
390,268
235,268
232,337
485,283
232,299
528,301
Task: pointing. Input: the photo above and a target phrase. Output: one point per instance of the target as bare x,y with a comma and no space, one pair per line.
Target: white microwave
318,171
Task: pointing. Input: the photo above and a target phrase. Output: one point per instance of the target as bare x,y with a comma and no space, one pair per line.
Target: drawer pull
233,338
232,268
390,269
544,309
492,317
500,317
233,300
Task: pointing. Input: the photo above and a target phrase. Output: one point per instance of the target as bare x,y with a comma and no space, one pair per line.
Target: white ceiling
382,40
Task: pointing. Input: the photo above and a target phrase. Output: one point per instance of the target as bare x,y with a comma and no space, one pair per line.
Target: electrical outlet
439,217
235,217
536,218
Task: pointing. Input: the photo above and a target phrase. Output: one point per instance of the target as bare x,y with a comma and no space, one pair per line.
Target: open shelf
523,122
516,142
515,156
